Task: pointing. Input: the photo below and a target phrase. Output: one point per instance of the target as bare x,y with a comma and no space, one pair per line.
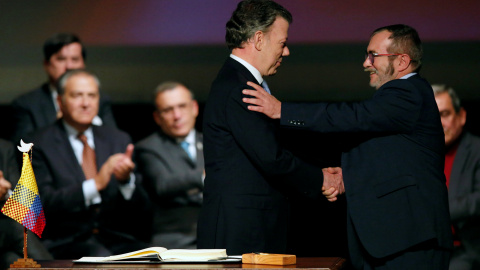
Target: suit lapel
102,146
66,154
172,147
460,160
199,147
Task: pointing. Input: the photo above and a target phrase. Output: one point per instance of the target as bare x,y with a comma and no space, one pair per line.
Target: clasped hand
332,183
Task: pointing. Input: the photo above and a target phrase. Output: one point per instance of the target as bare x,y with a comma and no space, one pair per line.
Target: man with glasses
392,163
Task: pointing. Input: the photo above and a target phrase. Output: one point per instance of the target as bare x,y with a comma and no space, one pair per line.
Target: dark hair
405,40
443,88
62,81
252,16
166,86
56,42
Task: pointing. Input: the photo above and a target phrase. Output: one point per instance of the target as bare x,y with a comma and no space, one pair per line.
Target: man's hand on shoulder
263,101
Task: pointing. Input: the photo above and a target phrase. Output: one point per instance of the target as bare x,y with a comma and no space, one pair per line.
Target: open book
160,254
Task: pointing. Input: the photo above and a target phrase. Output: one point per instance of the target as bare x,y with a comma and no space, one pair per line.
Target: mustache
370,70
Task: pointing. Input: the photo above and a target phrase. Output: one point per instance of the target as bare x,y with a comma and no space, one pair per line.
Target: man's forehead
173,97
79,81
380,41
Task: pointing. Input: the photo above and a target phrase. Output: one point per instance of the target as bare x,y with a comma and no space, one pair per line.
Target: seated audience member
462,170
11,232
93,205
39,108
173,175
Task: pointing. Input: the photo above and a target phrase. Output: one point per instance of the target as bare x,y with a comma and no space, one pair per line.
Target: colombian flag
24,204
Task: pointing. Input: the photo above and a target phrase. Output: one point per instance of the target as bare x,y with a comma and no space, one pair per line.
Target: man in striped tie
85,178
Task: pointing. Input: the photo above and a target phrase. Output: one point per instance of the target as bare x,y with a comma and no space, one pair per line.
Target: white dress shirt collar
409,75
250,68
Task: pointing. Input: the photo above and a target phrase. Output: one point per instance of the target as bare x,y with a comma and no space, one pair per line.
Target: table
319,263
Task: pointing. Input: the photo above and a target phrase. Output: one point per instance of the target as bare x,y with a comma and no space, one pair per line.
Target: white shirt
191,143
250,68
408,75
90,192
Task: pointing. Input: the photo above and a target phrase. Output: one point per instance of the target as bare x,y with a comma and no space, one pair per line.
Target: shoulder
46,135
152,138
6,146
32,97
112,133
155,141
472,139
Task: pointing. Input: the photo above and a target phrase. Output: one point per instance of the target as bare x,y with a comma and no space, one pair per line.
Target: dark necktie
89,165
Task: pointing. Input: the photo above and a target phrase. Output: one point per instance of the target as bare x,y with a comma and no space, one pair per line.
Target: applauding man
84,173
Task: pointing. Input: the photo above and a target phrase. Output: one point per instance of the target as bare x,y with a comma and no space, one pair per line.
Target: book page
193,254
136,254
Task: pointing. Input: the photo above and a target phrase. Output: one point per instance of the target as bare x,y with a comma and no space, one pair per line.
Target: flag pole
25,255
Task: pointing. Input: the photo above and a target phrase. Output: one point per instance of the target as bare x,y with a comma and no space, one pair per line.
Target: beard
382,77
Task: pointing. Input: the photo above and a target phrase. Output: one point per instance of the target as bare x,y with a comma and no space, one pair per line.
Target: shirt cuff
90,192
128,188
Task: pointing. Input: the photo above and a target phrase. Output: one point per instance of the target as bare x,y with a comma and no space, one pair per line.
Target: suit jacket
392,164
35,109
9,167
248,173
173,181
464,194
59,177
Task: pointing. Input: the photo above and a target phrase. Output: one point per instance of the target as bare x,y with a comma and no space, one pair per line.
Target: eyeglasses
371,55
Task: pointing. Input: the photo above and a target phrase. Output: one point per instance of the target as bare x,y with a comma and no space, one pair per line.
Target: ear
59,102
462,114
195,107
259,40
404,63
156,117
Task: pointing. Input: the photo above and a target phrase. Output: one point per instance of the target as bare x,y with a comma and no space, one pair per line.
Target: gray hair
62,81
443,88
251,16
167,86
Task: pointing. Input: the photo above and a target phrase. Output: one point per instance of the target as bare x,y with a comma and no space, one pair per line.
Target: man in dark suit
89,212
248,174
171,163
11,232
38,108
462,170
393,158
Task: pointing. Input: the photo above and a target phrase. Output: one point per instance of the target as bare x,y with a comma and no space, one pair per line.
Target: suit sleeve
393,109
257,137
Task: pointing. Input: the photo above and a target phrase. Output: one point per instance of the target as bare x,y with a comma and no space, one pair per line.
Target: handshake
332,183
